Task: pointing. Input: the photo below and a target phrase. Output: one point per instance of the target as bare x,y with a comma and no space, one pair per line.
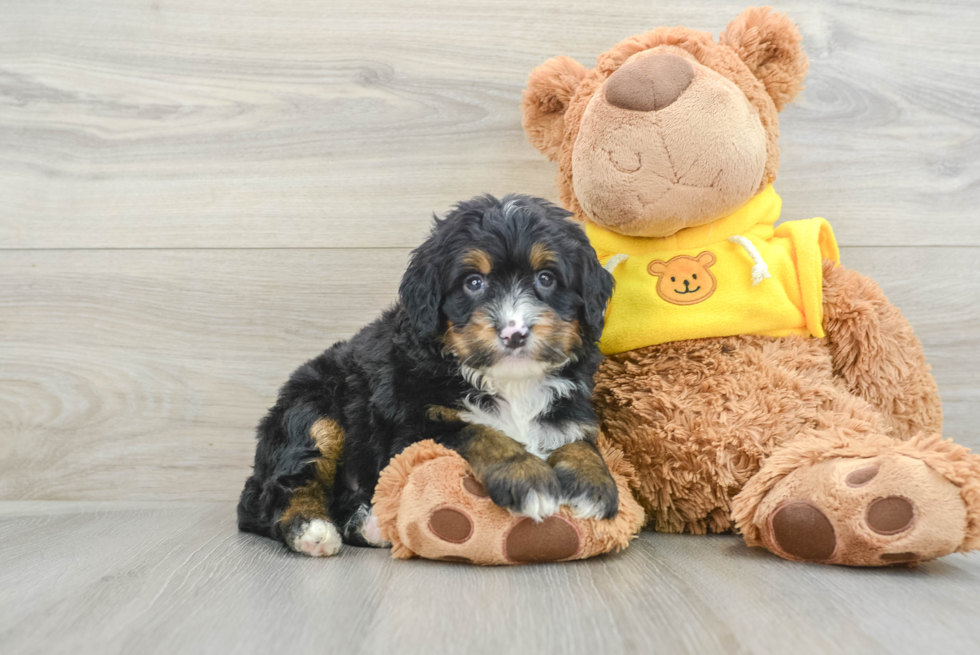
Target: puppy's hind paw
362,529
372,533
316,538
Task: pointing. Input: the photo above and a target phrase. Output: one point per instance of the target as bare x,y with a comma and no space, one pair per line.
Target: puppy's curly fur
490,351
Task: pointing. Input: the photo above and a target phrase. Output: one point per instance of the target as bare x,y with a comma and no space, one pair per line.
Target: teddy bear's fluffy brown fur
429,504
821,449
768,74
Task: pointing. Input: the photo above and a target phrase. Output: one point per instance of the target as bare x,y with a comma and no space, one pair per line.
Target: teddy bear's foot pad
551,540
891,509
524,540
431,505
802,530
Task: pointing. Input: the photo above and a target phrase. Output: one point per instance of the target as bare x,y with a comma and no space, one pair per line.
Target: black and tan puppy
490,352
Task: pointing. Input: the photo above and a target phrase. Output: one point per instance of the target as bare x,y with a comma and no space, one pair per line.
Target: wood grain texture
140,375
198,195
253,123
177,578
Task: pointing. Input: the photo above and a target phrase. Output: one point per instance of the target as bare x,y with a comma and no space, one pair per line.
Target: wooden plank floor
171,578
198,195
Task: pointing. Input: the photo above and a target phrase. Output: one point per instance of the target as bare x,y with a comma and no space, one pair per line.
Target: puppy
490,351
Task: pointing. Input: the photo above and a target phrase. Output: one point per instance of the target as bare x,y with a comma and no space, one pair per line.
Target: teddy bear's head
671,129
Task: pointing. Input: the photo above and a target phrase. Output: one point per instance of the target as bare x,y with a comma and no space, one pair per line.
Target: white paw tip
318,539
539,506
585,508
372,533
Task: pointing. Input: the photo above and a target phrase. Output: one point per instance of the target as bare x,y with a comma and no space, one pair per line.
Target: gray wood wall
198,195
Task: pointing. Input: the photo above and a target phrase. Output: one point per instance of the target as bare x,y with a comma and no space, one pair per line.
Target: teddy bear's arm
876,353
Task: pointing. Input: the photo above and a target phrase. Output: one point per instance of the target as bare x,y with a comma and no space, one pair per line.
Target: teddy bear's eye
695,276
673,279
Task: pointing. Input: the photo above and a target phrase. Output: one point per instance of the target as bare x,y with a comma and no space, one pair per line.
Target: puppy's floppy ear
421,292
771,46
597,288
550,87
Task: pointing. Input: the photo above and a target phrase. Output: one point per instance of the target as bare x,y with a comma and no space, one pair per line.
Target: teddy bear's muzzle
665,144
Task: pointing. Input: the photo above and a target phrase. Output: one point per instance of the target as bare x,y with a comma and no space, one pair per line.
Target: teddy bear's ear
549,90
770,45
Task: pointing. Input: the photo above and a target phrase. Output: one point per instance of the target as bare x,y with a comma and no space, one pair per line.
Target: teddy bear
751,381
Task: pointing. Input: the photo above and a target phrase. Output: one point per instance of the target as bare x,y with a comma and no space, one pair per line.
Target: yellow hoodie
736,275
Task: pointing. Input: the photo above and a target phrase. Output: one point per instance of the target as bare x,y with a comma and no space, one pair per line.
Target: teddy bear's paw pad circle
475,487
890,515
451,525
861,477
892,509
802,530
551,540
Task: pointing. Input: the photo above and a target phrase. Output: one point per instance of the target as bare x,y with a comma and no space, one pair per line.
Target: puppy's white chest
517,407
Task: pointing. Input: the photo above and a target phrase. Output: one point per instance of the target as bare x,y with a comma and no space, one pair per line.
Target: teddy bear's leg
429,504
840,497
876,353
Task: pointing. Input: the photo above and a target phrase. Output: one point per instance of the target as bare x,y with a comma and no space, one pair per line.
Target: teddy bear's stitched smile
687,287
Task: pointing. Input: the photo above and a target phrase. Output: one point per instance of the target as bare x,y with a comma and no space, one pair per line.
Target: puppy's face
513,285
511,306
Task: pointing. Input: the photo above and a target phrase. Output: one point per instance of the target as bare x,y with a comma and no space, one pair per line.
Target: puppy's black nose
514,337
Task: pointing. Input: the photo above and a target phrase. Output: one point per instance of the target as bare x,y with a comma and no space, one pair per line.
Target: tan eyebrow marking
542,257
479,260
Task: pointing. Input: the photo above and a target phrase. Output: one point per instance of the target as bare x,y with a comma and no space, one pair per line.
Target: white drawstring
615,261
760,270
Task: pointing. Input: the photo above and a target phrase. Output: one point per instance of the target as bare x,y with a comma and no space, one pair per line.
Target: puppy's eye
545,280
474,284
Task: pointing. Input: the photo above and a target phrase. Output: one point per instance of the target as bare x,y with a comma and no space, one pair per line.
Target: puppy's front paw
528,487
538,505
316,537
590,494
